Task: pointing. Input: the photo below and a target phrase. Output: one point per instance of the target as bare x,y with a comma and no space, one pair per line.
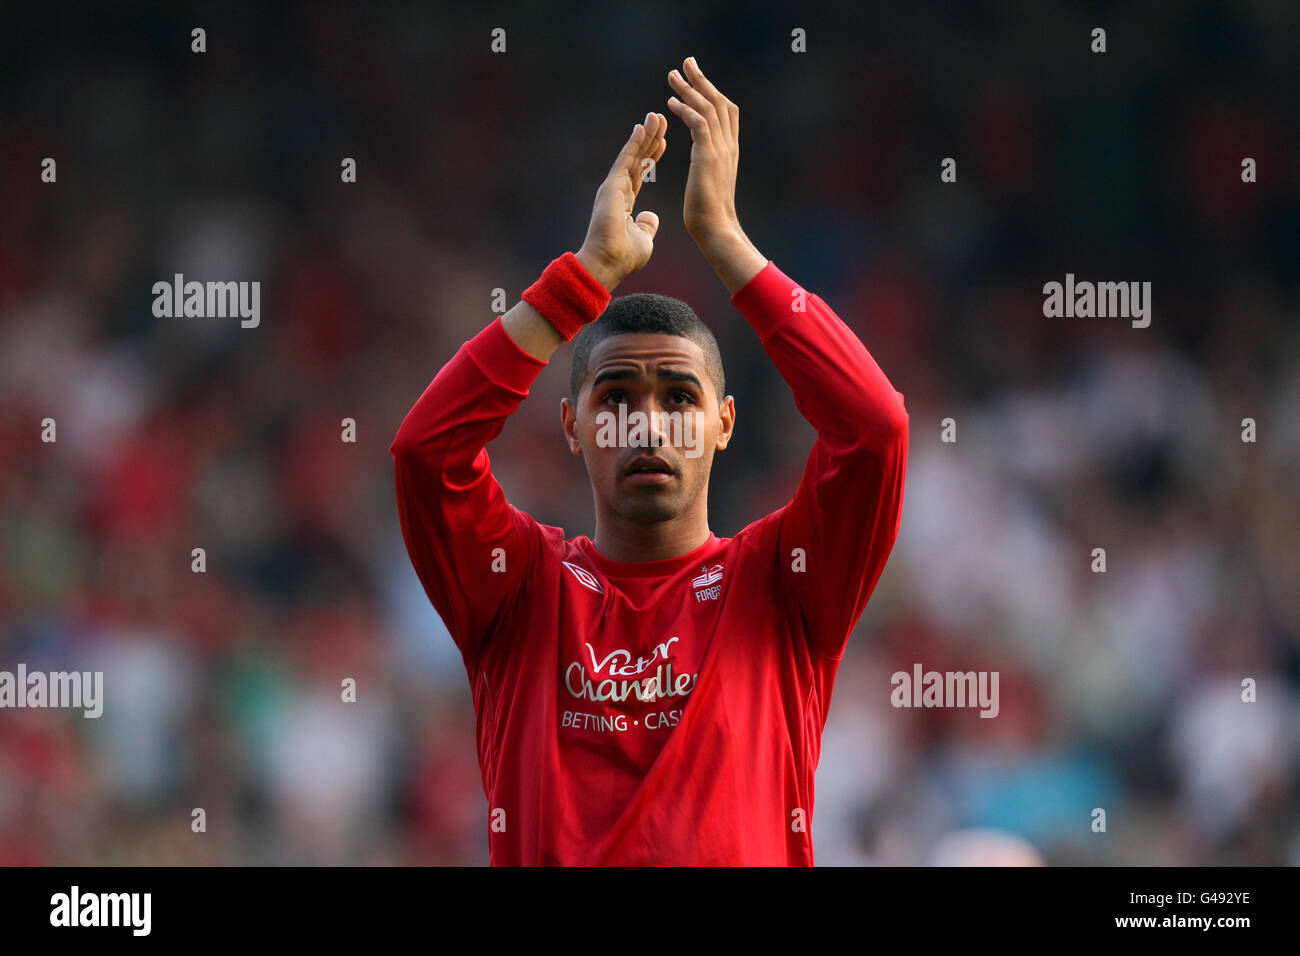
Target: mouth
649,470
649,478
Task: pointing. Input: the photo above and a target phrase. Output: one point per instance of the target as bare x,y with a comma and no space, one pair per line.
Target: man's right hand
618,245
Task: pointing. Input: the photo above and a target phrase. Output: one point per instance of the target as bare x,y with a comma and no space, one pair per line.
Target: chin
650,509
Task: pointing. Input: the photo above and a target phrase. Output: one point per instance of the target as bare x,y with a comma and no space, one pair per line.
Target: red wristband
567,295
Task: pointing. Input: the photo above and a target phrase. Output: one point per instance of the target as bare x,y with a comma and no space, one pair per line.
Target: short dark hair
646,312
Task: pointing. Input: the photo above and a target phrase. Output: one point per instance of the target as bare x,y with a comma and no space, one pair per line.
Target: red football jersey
662,712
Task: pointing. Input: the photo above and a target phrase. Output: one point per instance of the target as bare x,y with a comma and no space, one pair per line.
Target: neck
621,539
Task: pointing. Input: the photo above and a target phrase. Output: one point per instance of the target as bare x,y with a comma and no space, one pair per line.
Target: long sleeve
846,511
454,513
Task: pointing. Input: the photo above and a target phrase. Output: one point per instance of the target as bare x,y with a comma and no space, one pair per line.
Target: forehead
643,353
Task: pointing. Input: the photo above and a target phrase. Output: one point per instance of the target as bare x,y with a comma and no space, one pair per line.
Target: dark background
1118,690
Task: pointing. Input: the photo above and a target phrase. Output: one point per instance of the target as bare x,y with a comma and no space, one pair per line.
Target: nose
658,431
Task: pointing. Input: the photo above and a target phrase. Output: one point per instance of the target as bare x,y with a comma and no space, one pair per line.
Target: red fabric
567,295
717,766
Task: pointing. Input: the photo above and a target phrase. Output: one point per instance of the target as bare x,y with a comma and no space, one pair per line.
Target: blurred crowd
1120,691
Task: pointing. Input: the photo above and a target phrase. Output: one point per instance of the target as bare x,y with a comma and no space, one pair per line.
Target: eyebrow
622,374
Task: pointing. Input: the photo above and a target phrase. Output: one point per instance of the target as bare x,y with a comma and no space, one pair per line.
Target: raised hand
617,244
714,122
709,209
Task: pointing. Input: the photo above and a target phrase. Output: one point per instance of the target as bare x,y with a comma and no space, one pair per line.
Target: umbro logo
585,577
706,584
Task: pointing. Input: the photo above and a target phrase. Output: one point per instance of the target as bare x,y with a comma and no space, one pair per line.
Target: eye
686,398
614,392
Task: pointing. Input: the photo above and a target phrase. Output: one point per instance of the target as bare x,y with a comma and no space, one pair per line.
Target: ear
727,413
569,424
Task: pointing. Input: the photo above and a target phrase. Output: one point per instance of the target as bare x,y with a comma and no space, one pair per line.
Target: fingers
646,142
695,122
659,124
653,145
728,112
662,141
647,222
698,80
656,142
696,112
627,155
721,116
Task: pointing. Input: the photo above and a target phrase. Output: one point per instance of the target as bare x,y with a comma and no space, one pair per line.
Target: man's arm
471,548
453,512
833,538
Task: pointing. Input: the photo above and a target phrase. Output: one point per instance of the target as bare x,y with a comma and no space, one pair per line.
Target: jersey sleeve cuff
766,300
502,360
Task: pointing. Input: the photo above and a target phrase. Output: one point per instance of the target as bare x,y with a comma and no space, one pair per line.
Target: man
657,695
